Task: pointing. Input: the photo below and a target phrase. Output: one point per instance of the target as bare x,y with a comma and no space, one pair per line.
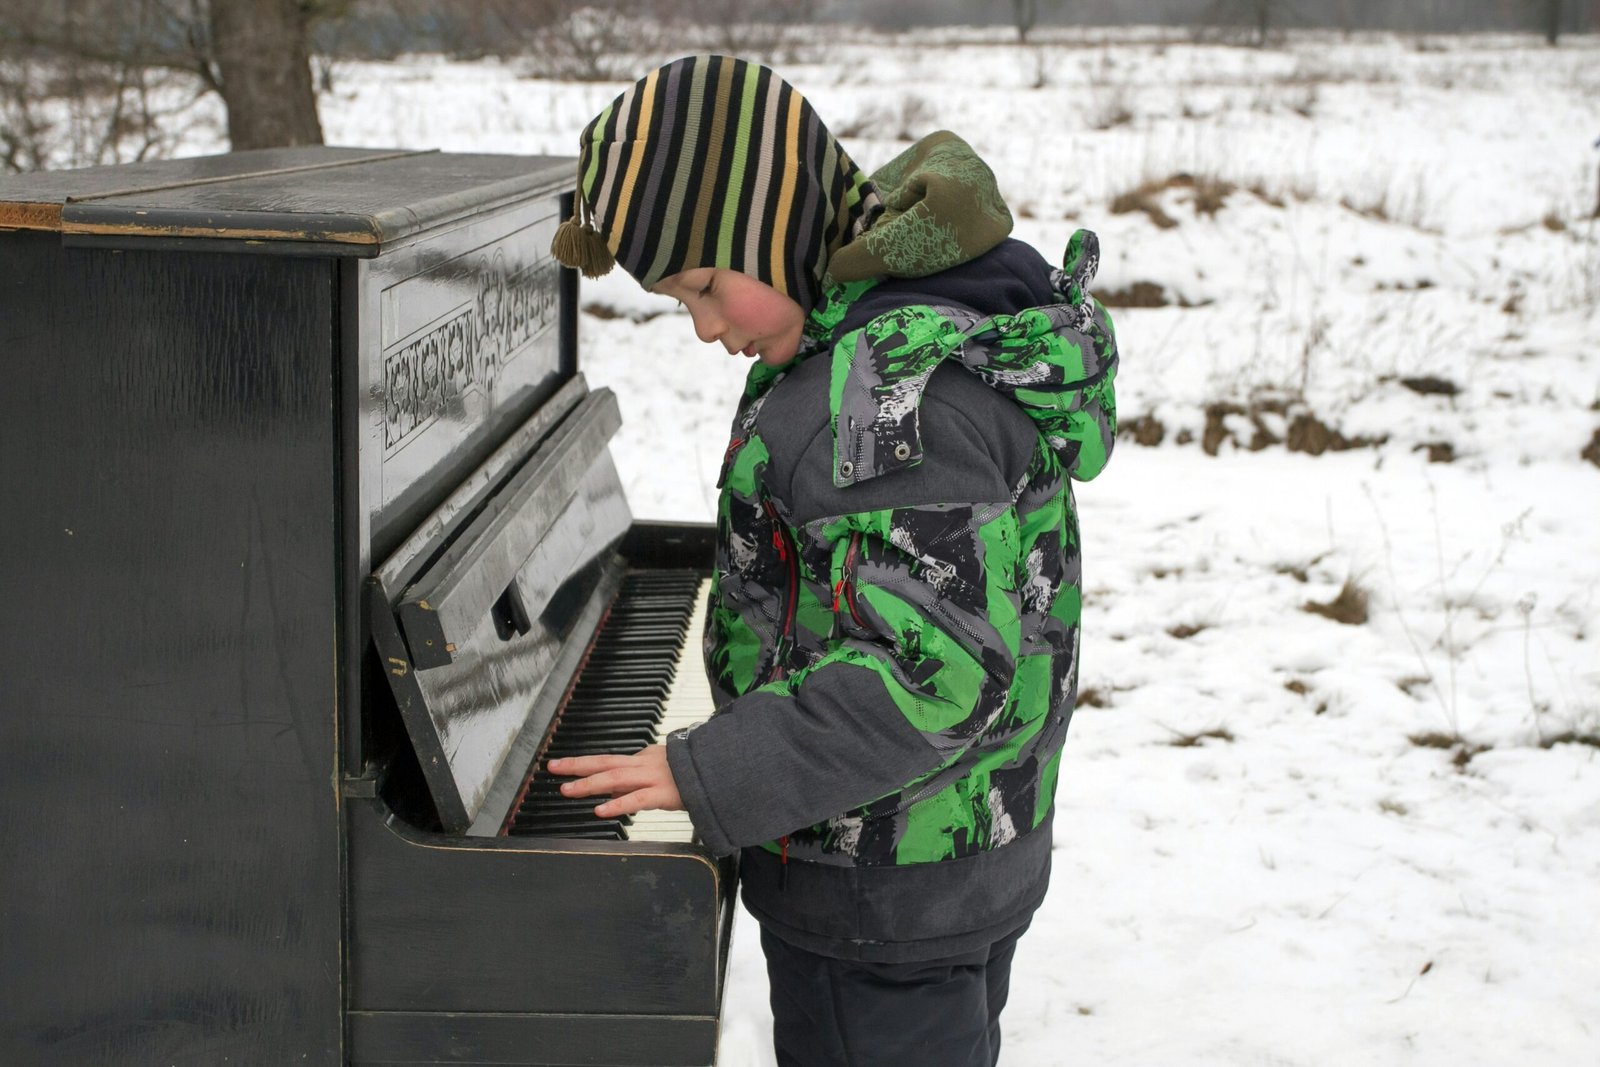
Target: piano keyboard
643,679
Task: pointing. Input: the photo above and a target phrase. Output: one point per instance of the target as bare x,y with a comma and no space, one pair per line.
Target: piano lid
473,616
352,201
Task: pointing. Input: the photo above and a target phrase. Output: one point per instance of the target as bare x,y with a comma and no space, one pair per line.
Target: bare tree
68,98
1552,12
90,81
1596,214
1024,15
767,30
586,42
263,67
1258,20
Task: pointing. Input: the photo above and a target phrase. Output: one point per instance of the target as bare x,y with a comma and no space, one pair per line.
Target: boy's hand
635,783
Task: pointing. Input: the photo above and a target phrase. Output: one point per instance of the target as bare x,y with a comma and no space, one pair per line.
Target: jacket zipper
846,589
786,552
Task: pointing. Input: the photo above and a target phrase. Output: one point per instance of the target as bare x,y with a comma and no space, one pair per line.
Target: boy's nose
707,327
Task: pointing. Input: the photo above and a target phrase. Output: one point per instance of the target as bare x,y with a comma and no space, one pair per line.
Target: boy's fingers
583,766
617,781
631,803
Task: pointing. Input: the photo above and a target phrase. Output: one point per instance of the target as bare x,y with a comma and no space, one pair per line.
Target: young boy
893,633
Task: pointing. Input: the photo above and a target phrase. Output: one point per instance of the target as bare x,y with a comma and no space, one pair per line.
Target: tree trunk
1552,21
1024,13
265,69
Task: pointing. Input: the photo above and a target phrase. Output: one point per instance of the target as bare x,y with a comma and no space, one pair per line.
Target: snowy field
1369,835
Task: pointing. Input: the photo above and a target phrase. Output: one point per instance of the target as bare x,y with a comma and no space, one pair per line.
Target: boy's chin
779,357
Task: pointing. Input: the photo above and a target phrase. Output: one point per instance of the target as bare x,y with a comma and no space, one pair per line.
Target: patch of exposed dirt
1208,195
1137,295
1462,750
1220,733
1145,294
1349,607
1591,451
1304,432
1572,737
1412,683
1431,386
1217,431
1311,435
607,313
1094,697
1145,430
1300,572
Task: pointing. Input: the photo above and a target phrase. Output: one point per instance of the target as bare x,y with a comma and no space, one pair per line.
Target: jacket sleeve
921,657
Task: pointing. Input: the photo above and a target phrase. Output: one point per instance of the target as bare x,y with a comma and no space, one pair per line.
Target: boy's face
747,316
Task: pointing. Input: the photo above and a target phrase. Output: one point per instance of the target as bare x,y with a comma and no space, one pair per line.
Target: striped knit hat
712,161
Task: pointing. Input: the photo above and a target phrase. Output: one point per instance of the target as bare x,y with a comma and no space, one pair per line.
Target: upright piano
312,551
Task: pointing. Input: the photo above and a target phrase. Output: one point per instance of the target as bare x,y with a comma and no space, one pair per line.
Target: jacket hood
1056,360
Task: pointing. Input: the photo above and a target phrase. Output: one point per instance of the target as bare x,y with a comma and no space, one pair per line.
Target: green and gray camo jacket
893,630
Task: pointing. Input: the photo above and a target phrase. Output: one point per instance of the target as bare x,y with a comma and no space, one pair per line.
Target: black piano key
611,700
596,748
621,730
626,669
594,704
573,810
602,828
620,743
615,715
641,641
630,688
622,715
591,707
561,748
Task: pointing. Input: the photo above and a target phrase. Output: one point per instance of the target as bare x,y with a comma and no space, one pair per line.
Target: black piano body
308,528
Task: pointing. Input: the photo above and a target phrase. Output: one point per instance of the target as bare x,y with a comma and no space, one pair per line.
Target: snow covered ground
1283,838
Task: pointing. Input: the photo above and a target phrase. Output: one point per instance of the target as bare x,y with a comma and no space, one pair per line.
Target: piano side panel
171,870
454,924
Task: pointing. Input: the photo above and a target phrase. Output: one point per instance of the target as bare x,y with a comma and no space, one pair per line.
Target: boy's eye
706,291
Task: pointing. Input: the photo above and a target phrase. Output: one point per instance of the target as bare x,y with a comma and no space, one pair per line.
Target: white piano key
688,701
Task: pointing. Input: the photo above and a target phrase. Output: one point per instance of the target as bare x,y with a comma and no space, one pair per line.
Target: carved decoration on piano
427,375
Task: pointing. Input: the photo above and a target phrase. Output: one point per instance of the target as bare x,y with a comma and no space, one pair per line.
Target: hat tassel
578,245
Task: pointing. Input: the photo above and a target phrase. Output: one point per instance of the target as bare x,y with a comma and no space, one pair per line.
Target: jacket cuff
692,790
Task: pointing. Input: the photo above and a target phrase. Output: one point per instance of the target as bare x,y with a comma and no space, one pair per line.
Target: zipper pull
777,531
838,592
